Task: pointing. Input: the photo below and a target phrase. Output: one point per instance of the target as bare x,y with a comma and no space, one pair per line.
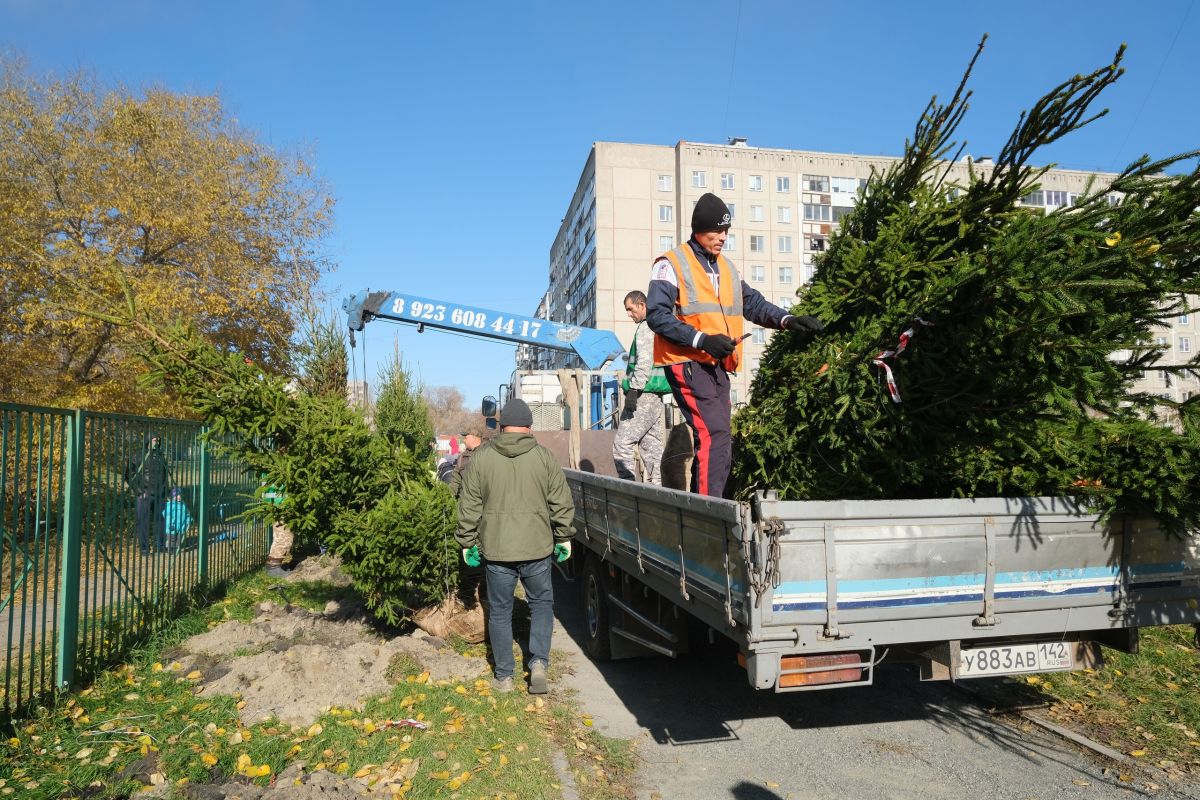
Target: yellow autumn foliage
205,223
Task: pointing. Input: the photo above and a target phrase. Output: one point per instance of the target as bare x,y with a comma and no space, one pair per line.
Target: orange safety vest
706,310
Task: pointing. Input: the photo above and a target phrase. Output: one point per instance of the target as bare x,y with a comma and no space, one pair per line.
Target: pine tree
401,414
1013,337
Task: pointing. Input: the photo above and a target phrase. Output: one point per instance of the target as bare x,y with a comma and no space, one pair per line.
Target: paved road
702,732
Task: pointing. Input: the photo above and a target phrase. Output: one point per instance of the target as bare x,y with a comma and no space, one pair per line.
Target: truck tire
594,590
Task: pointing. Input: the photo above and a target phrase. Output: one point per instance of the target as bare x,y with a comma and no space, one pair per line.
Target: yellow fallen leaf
194,675
156,666
363,771
1137,753
314,729
772,785
460,689
208,759
1113,239
442,775
503,760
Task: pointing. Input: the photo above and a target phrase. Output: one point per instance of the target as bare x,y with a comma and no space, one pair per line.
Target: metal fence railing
86,565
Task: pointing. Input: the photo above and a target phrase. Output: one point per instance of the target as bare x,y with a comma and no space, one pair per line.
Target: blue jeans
539,592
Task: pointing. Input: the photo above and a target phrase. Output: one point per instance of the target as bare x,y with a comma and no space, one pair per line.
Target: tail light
822,668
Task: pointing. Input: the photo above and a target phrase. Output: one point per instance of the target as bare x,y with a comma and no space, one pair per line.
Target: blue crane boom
594,347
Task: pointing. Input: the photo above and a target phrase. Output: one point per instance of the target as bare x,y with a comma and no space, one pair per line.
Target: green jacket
514,501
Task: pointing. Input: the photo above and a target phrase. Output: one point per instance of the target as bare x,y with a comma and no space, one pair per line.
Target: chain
768,578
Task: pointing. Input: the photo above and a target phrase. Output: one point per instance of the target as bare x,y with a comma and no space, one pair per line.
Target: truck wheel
595,611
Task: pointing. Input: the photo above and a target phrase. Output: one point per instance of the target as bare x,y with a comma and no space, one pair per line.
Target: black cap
516,414
710,214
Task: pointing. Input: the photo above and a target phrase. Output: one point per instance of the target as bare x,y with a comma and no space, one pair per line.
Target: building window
785,214
664,183
1054,198
758,244
1037,198
809,272
841,186
666,213
758,273
816,212
731,242
699,178
665,243
817,244
783,184
1185,344
839,212
756,213
1183,319
815,183
785,273
785,244
758,335
754,183
726,180
1185,395
732,210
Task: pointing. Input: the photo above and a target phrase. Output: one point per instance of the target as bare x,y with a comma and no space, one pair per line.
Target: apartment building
634,202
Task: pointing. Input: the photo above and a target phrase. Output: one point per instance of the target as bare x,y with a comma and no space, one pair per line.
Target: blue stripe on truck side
968,587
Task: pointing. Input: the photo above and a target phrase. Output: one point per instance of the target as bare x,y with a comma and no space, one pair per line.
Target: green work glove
471,555
562,551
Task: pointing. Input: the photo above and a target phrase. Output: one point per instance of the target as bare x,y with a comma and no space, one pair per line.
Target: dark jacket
514,501
147,474
460,467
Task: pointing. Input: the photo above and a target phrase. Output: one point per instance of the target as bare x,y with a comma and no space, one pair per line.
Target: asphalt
702,732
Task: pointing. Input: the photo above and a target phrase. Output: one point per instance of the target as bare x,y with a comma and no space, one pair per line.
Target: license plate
1016,658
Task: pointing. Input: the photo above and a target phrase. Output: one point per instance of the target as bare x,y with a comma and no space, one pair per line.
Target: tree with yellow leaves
207,224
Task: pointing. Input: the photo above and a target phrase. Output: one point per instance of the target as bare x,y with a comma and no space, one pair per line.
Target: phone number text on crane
418,310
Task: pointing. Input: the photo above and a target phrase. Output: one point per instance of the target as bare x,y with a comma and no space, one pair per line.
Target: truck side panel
687,546
972,564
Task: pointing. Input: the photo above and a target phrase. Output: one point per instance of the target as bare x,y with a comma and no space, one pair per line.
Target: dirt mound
325,568
293,664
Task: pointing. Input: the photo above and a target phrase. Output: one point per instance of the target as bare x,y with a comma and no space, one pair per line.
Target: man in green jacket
515,509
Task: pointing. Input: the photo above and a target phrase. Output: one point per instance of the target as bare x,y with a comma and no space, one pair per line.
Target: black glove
717,345
802,323
631,398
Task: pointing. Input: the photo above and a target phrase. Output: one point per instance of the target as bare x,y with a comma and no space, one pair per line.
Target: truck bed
921,577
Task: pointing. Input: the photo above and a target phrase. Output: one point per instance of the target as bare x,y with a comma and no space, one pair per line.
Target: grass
145,717
1145,705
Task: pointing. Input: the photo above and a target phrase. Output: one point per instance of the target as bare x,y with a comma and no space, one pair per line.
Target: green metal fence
86,568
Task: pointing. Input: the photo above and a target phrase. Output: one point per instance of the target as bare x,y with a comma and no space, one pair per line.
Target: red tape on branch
880,360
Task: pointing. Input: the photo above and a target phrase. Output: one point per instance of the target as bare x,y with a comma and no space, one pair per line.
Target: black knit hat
516,414
710,214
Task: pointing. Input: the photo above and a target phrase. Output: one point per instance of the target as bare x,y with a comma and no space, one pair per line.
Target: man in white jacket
642,418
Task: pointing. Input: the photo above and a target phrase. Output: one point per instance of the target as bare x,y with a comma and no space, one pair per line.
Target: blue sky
452,134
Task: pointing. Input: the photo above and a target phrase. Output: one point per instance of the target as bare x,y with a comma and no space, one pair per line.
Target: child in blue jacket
178,519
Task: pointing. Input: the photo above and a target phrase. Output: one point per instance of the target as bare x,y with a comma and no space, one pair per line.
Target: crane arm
594,347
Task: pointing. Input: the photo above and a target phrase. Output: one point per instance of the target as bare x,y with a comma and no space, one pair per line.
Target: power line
1145,99
732,62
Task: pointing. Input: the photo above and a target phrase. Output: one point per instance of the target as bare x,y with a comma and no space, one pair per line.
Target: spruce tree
1012,338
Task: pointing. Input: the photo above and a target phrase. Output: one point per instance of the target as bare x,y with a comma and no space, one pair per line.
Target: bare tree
447,409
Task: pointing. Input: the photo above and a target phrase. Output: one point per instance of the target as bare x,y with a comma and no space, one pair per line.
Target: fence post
72,543
202,520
